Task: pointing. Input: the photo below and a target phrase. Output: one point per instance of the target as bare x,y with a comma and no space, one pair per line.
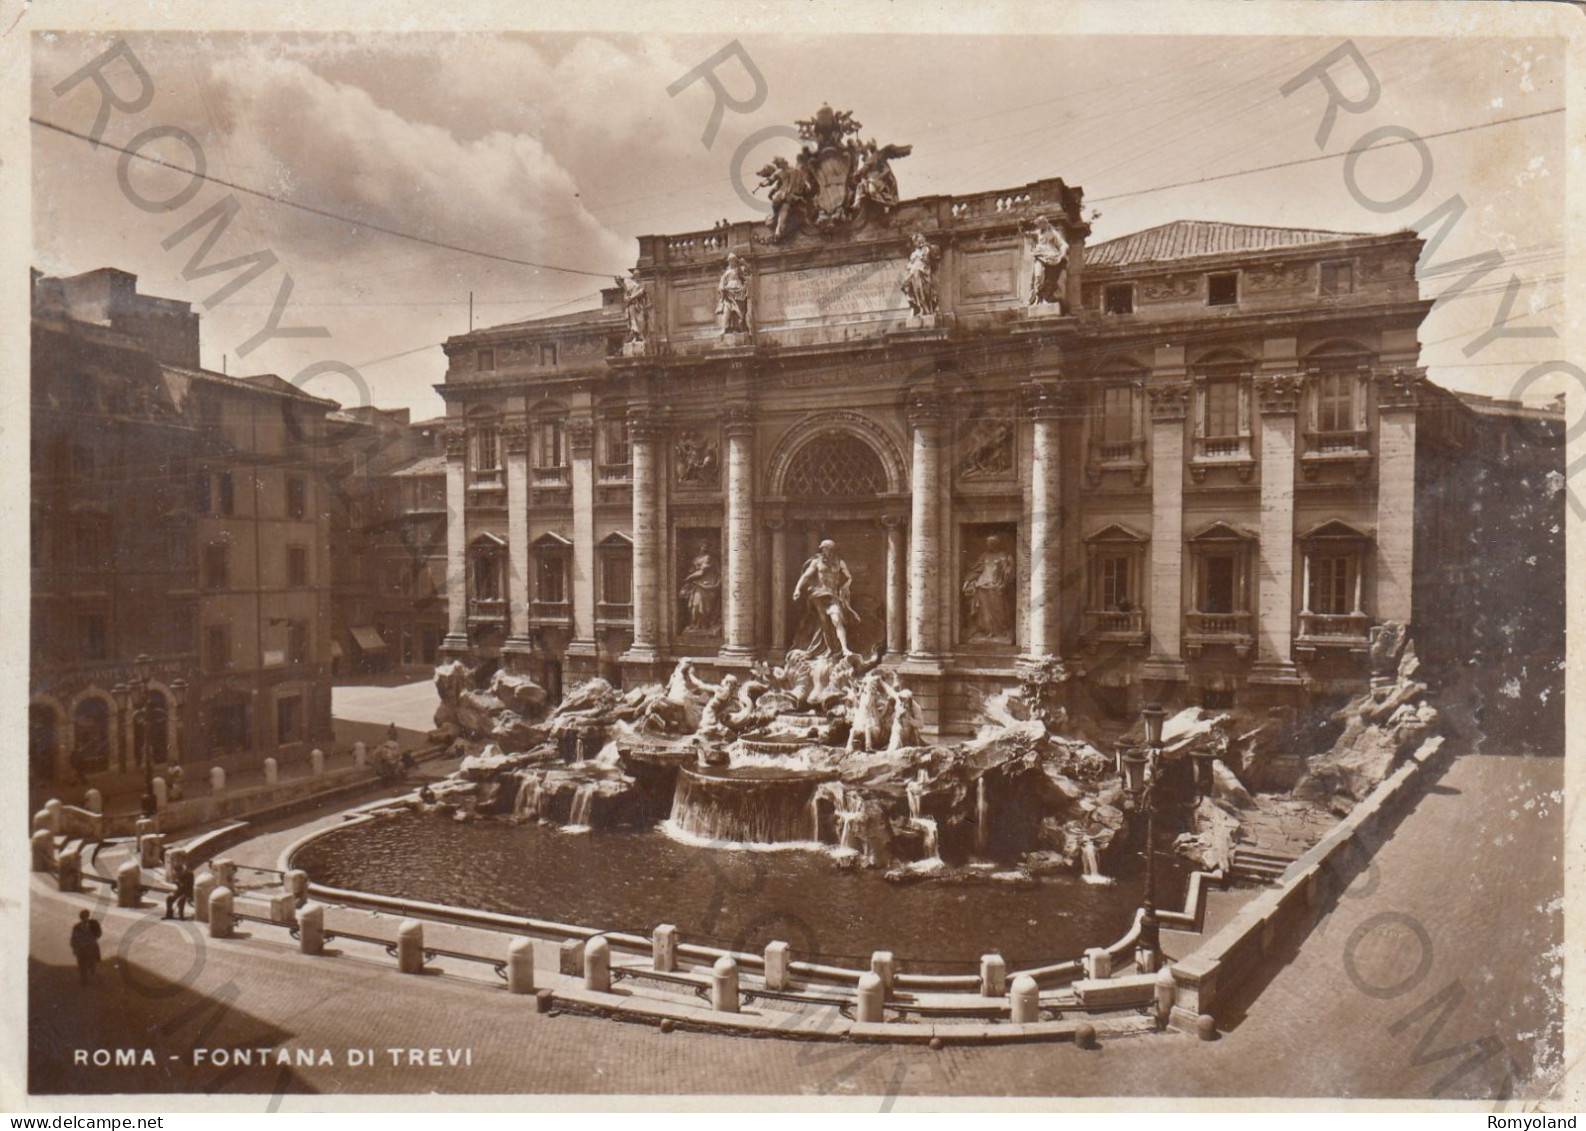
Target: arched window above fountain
835,465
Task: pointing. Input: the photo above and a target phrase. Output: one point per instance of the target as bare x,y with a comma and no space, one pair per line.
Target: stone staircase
1259,866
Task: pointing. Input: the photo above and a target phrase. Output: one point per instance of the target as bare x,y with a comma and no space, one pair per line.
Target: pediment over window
1117,532
1223,532
1337,529
551,540
616,540
489,541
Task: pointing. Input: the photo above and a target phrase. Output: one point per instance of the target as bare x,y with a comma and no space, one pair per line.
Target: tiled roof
422,468
1184,239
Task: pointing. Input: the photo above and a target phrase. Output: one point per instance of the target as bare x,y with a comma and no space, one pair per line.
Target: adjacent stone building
1192,462
176,513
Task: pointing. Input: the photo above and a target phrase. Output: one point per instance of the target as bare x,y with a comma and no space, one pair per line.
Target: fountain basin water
750,804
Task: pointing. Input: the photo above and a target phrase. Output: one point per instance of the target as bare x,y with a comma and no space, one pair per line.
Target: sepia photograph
832,556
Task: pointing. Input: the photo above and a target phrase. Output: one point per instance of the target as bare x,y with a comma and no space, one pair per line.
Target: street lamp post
1140,766
135,694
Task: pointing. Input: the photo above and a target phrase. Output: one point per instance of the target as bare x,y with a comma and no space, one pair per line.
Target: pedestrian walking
181,896
85,945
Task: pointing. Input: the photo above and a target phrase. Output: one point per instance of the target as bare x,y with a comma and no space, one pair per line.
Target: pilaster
1398,396
1169,408
581,650
515,439
456,642
1277,397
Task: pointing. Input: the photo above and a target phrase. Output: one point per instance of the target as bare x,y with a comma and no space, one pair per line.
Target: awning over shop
365,636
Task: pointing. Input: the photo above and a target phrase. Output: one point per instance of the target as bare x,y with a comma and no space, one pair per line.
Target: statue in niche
636,302
919,280
827,581
987,592
1051,265
990,449
701,593
874,179
696,460
732,296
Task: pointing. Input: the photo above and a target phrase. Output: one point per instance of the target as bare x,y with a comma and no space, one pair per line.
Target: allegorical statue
827,582
732,296
701,593
636,301
1051,264
919,279
874,179
790,186
987,590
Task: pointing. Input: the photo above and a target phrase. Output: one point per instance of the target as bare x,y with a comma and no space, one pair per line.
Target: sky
561,149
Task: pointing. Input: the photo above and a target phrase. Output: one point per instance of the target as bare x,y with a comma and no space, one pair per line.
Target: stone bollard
883,966
217,780
316,762
94,801
872,997
129,884
175,863
220,914
663,948
297,885
724,985
69,871
272,771
311,929
225,870
143,826
43,845
151,850
360,755
597,965
1085,1035
520,966
204,885
1166,992
778,961
283,908
1098,963
410,947
993,975
1026,1000
162,793
570,958
1206,1027
41,821
54,808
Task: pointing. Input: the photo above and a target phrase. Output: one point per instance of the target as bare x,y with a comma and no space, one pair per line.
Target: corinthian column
516,440
1046,503
738,615
928,418
581,450
456,642
644,436
1278,396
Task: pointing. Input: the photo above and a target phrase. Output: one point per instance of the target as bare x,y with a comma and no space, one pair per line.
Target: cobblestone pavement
410,705
1463,910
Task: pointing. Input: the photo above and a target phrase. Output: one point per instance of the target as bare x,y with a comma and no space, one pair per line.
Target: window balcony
1126,627
1346,631
1222,451
550,475
616,472
614,612
551,612
487,609
1122,455
1205,629
1348,448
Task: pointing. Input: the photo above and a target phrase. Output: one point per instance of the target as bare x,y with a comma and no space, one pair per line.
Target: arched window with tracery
835,465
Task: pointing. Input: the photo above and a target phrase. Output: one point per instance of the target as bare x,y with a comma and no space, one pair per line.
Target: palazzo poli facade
1185,462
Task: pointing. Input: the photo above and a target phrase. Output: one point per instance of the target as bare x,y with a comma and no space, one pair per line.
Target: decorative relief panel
1170,288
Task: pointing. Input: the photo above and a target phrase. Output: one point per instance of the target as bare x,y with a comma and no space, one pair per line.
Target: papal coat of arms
834,178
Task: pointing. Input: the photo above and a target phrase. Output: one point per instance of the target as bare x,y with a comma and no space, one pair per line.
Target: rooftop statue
833,178
1051,264
636,302
732,296
919,280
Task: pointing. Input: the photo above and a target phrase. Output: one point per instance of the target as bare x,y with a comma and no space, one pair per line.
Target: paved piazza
1479,910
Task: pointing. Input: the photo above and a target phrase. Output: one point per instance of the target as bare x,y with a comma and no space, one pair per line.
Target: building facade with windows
177,514
1199,462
